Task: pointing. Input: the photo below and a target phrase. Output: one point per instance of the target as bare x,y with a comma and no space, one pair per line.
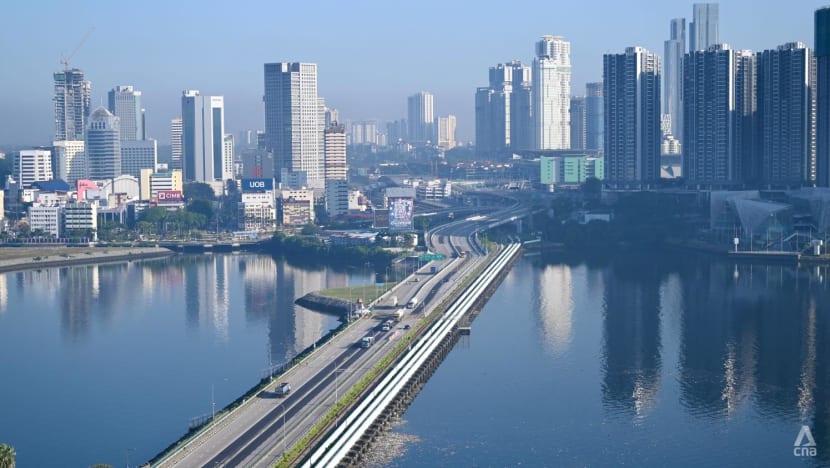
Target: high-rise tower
421,118
718,134
578,123
822,51
552,93
73,97
503,110
632,117
294,122
675,48
703,30
176,143
786,108
103,145
335,136
594,121
125,103
203,131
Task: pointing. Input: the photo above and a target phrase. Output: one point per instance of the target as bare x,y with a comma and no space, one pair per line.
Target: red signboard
170,196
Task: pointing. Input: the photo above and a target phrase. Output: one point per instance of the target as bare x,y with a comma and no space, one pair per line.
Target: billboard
401,213
169,196
257,185
83,186
381,219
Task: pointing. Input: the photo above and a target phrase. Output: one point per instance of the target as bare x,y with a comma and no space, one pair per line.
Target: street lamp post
213,399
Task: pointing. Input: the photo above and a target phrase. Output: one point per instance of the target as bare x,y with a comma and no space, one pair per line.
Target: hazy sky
370,54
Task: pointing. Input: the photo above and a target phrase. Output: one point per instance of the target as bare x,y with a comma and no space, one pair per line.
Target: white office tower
335,162
337,185
337,197
446,132
45,218
176,143
125,103
552,93
70,160
294,123
73,98
103,145
703,30
503,110
138,155
32,166
675,48
203,132
631,91
80,217
228,145
420,117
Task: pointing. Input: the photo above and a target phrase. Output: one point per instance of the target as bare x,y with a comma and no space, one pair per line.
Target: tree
592,186
422,223
198,191
7,455
155,216
233,190
310,229
202,207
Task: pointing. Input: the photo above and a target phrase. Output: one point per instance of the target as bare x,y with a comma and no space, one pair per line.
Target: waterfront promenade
26,258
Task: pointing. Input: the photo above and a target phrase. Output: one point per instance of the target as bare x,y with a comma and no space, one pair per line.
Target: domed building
103,145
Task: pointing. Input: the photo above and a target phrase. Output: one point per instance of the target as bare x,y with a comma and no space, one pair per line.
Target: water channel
108,363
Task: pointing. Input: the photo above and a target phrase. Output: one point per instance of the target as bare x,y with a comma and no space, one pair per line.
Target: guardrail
341,440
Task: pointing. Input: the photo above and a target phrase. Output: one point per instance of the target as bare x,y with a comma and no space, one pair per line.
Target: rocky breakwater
325,304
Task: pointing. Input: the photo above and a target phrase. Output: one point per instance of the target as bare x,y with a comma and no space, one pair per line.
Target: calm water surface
108,363
646,360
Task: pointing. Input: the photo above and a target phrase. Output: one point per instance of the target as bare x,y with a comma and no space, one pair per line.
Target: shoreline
79,257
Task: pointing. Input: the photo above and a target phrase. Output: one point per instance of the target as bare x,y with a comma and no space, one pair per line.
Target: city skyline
28,101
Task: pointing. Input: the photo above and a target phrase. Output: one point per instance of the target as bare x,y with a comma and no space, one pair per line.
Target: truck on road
367,341
393,301
399,315
283,389
412,303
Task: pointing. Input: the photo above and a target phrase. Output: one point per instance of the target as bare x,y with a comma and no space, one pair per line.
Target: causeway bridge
341,393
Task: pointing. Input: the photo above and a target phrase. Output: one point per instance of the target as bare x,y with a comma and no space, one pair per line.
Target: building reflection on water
201,283
745,335
631,337
555,292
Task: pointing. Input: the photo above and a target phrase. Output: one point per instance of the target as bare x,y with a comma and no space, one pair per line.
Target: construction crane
65,59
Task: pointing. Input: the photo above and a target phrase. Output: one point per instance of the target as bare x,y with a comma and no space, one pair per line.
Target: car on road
407,326
283,389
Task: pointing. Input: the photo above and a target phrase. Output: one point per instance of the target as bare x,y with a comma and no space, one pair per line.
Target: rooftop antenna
66,59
